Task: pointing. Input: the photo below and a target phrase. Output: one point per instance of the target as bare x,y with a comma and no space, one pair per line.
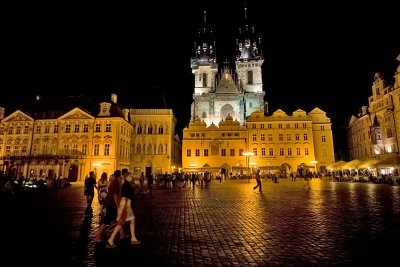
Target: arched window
149,149
150,129
160,129
160,149
138,149
204,115
139,129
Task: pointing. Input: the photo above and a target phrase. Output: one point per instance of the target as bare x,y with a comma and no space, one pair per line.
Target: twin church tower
230,132
219,92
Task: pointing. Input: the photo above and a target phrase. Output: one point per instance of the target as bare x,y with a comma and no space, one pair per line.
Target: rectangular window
38,129
304,125
96,149
98,127
254,137
18,130
197,152
306,151
280,125
270,138
68,128
296,125
56,128
108,127
188,152
10,130
26,129
280,137
288,137
84,149
262,126
269,125
281,151
289,151
298,151
297,137
271,151
263,151
86,128
206,152
232,152
323,138
305,137
47,128
106,149
241,152
76,128
223,152
74,149
66,149
322,128
255,151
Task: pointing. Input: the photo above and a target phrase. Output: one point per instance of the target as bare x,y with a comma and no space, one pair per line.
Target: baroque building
70,142
230,131
375,130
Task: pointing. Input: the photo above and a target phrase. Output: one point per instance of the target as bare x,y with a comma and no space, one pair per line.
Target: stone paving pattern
229,224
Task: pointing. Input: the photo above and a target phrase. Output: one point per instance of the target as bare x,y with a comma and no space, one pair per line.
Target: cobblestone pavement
229,224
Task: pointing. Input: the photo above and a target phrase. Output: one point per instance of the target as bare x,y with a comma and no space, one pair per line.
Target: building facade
230,132
219,92
73,143
375,130
156,147
373,135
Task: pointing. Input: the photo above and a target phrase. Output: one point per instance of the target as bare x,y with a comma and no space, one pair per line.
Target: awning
393,161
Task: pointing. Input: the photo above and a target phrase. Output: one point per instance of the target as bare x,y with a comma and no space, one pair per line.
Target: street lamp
248,155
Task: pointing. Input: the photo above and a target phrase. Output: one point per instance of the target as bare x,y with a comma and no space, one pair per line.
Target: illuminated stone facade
156,148
279,144
376,129
228,118
72,143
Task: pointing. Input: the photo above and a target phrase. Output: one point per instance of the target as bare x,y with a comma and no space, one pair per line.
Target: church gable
76,113
226,84
18,116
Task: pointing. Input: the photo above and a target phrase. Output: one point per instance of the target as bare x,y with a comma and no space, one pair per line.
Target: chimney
114,98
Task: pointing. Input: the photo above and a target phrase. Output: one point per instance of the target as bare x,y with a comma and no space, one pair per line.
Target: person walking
125,212
89,186
111,203
258,179
102,188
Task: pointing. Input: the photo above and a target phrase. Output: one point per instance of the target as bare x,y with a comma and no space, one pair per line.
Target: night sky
321,55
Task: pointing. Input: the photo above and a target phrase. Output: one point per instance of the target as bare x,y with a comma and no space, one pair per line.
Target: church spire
205,44
248,45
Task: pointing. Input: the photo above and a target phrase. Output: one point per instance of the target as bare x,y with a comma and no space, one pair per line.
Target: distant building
376,129
230,132
373,135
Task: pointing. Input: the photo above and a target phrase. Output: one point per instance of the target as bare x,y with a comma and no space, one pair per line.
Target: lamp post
248,155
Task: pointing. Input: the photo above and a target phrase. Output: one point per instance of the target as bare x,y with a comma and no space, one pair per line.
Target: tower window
204,79
250,77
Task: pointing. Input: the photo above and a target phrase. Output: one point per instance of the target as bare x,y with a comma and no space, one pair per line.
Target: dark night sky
321,55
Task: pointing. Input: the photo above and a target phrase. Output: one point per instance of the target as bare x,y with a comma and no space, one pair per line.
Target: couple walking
118,208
